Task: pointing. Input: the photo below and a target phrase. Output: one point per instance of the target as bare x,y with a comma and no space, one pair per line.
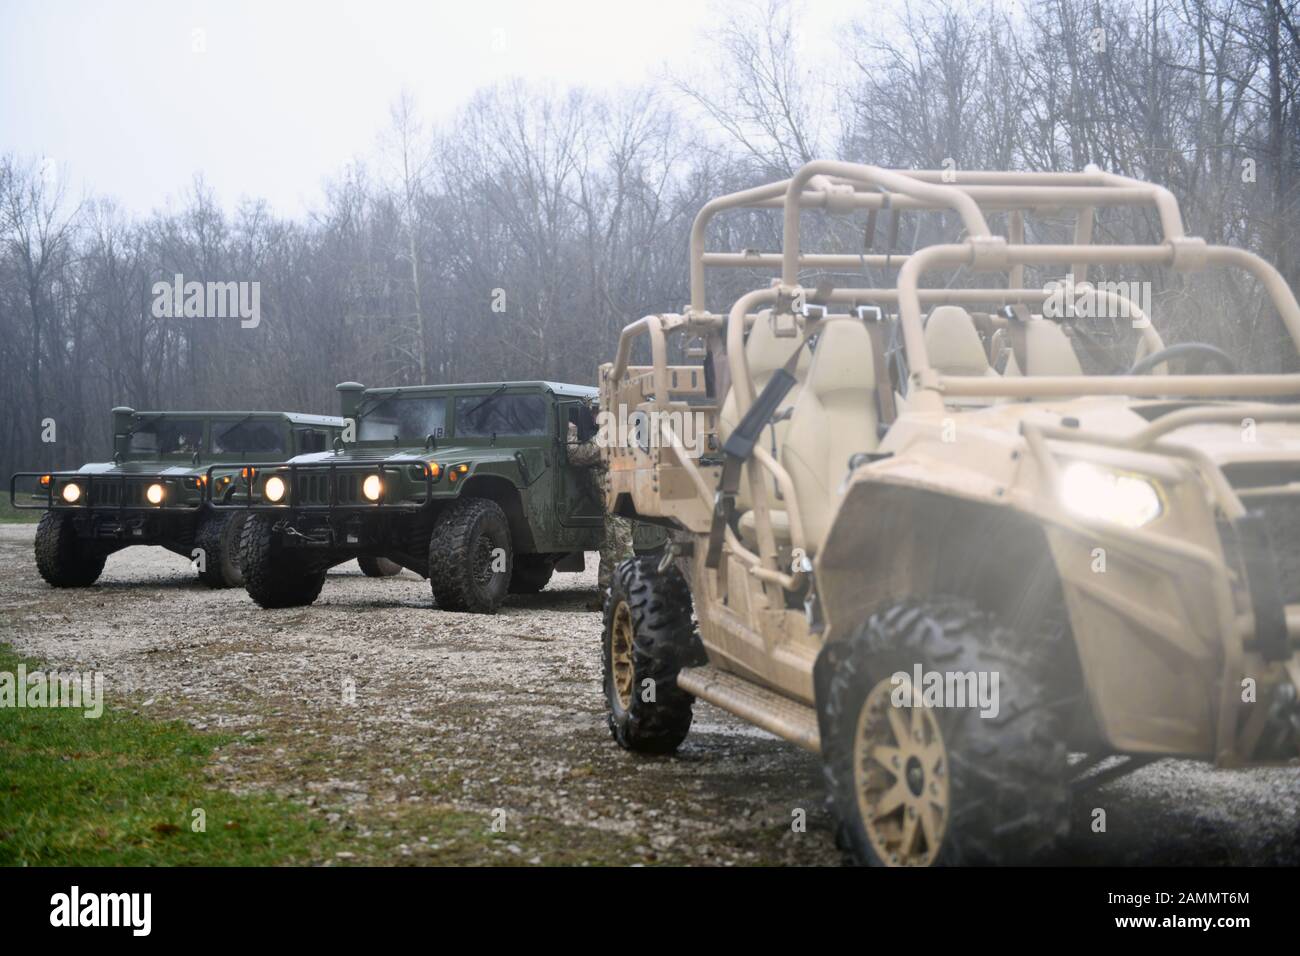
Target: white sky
274,97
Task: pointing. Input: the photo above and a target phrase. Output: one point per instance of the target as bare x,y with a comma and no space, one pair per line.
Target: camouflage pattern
616,547
616,544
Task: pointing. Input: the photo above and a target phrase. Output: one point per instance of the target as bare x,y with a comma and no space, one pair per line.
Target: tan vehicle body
962,491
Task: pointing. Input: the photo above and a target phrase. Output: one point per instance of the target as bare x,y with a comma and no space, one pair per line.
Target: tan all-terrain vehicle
925,531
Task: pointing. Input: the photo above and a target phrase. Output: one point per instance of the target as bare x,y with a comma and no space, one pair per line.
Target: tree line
517,239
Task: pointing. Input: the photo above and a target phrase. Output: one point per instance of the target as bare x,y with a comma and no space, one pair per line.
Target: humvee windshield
167,436
248,437
405,419
481,416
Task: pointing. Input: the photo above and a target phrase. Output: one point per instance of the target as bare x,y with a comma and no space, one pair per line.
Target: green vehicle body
174,451
432,448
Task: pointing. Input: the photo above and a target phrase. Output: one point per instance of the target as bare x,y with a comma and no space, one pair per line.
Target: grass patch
121,790
8,513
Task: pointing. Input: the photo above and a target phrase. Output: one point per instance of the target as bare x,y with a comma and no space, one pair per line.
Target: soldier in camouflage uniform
617,544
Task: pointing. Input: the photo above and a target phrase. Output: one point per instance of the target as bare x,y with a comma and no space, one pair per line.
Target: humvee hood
361,455
141,468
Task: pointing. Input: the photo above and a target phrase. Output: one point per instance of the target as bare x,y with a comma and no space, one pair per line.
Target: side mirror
338,444
123,418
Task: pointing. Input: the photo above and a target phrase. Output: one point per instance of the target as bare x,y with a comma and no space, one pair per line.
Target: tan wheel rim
620,654
900,776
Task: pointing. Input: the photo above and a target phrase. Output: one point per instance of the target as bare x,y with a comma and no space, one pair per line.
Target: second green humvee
471,486
155,490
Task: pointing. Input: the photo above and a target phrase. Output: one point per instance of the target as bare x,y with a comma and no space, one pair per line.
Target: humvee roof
557,388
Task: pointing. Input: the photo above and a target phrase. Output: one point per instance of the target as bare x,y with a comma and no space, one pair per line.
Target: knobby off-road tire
373,567
273,577
980,790
649,636
218,535
461,557
531,573
63,559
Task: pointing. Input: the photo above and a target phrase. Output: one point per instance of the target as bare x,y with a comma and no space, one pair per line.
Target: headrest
765,352
953,344
843,359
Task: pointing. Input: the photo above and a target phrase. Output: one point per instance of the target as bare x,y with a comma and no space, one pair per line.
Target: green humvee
155,491
471,486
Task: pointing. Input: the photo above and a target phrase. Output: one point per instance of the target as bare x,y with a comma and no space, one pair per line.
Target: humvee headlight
71,492
274,489
1094,492
372,487
154,494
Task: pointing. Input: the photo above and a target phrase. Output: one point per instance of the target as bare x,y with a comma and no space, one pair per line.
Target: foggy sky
266,100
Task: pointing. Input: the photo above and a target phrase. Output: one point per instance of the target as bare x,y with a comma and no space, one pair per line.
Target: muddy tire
273,578
924,785
62,558
218,535
649,635
373,567
462,555
531,573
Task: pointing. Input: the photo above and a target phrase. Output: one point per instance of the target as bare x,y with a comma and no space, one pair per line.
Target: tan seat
954,347
834,418
953,344
1047,351
748,527
765,352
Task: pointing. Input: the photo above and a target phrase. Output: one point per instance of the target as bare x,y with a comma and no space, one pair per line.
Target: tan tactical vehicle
929,532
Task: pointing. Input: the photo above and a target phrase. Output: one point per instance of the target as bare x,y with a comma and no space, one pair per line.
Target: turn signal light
45,481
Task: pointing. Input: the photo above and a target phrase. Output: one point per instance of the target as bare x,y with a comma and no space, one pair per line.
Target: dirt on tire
463,556
273,578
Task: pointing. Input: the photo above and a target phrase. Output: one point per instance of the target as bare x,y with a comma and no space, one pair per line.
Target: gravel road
370,707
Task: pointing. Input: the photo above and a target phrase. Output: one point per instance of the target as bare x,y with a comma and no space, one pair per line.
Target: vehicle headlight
1094,492
372,487
154,494
71,492
274,488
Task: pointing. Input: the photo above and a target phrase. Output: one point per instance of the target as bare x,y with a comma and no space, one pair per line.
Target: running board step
764,708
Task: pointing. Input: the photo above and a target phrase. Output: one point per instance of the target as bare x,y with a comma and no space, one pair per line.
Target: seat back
1047,351
765,352
834,418
953,343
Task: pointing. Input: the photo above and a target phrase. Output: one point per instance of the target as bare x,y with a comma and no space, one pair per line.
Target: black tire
1007,796
272,577
373,567
218,535
531,573
462,554
62,558
656,609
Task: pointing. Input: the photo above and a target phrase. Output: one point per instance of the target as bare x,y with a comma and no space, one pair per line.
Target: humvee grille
114,493
314,489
